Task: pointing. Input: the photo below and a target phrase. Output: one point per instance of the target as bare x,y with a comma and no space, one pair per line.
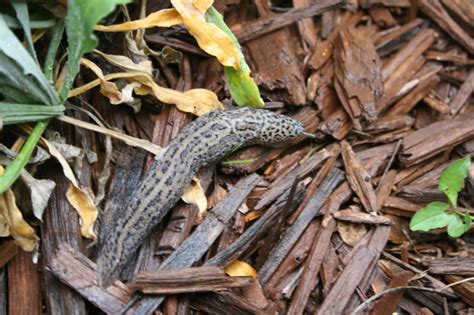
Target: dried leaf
162,18
239,268
195,195
351,233
84,205
78,198
210,38
18,228
126,63
195,101
40,190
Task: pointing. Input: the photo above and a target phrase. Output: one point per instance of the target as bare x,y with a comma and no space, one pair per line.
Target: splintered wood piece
382,17
388,123
257,230
291,235
463,93
78,272
337,298
362,217
279,74
358,75
436,104
433,139
406,104
390,40
415,47
283,184
358,178
465,290
435,10
338,124
385,187
269,24
312,267
186,280
463,266
462,9
24,290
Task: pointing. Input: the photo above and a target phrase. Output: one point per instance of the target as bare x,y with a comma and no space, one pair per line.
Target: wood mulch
386,87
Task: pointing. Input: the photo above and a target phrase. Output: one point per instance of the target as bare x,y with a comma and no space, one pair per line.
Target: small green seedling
440,214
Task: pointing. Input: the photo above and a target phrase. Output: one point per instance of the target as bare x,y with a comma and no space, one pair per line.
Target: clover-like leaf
467,221
452,179
433,216
455,226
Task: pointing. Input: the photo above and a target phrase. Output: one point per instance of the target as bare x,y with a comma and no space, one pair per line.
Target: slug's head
265,127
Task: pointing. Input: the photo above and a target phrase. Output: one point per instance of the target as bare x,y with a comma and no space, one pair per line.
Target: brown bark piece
433,139
465,290
24,290
280,74
463,9
465,91
358,178
435,10
358,79
266,25
78,272
311,270
361,217
463,266
336,300
186,280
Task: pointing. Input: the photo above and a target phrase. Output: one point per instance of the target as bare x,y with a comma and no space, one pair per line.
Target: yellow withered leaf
195,101
77,197
162,18
239,268
18,228
195,195
210,38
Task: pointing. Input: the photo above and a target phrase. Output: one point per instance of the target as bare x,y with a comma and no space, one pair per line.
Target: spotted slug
206,140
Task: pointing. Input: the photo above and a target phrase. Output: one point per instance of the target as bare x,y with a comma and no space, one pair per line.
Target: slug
206,140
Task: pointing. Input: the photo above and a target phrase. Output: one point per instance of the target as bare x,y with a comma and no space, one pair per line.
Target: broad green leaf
242,88
452,179
18,70
433,216
455,226
82,17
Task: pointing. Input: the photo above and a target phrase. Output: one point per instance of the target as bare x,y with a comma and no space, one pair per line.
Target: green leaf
452,179
455,226
433,216
21,9
19,71
242,88
82,17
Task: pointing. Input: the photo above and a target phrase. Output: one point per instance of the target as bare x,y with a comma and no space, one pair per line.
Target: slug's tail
108,269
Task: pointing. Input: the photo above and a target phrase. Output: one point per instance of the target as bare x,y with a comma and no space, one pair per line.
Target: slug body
206,140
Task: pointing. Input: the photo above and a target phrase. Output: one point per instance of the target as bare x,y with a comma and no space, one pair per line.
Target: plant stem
13,170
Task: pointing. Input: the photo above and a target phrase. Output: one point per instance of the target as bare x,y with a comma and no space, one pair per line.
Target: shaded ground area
386,88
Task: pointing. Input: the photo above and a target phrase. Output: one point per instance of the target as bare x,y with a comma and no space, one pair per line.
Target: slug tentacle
206,140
